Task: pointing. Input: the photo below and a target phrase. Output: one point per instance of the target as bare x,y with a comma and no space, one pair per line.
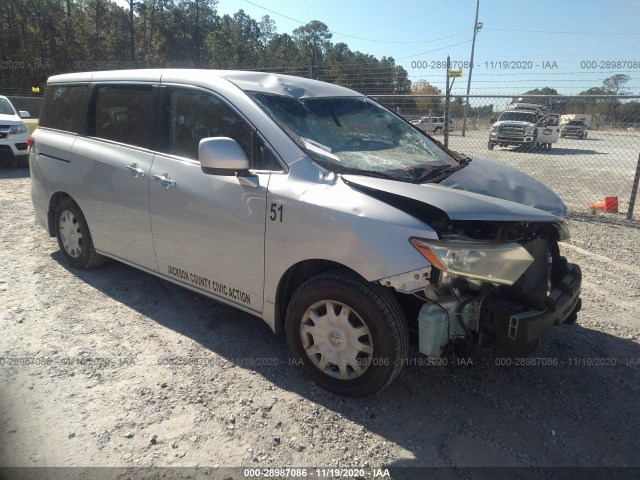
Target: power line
435,50
572,33
360,38
446,7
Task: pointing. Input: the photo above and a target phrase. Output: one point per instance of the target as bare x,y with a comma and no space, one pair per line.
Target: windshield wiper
437,174
366,173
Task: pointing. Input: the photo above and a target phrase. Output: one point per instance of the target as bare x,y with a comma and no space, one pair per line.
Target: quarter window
121,113
62,107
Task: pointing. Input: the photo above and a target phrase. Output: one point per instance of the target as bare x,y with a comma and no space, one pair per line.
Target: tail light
30,142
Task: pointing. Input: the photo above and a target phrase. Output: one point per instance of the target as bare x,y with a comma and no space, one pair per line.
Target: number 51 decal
275,214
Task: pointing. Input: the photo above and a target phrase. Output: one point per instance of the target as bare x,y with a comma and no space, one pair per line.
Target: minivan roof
275,83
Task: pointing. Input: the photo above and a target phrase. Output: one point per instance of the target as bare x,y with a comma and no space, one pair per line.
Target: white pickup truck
525,125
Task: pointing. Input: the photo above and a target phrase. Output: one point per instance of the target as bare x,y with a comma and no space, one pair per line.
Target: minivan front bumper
518,330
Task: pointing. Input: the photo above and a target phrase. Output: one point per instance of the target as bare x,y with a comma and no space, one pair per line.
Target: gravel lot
107,395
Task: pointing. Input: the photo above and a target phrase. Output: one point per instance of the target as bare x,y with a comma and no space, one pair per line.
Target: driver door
549,129
208,230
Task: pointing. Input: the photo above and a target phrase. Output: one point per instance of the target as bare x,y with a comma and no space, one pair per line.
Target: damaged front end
496,284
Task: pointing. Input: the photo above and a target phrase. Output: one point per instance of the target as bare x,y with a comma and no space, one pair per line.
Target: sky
569,45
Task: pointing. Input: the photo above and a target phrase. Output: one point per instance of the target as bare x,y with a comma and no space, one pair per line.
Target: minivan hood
483,190
495,179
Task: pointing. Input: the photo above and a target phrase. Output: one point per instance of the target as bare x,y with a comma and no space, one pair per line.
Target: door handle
165,180
135,170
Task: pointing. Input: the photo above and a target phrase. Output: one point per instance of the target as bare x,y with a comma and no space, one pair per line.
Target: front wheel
74,238
490,146
350,336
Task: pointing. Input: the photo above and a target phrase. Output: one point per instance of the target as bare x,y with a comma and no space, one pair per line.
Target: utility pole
476,28
446,105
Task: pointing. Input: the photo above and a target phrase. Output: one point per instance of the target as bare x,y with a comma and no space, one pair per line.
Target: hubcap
336,339
70,234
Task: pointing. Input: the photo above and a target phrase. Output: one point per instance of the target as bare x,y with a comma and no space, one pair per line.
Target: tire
74,238
585,135
490,146
438,130
368,342
548,146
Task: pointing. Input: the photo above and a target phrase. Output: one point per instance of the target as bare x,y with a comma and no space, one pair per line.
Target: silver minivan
344,227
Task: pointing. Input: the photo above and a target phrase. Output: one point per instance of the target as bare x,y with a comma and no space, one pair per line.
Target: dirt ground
115,367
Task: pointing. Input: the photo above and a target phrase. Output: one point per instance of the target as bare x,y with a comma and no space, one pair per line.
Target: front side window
356,135
62,107
121,113
191,115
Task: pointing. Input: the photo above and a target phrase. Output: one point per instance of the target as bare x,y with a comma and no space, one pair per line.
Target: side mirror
224,156
24,114
221,156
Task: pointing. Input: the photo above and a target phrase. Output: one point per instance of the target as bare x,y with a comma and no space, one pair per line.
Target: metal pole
473,46
634,191
446,106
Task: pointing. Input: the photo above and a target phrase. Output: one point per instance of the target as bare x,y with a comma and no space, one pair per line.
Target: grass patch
31,124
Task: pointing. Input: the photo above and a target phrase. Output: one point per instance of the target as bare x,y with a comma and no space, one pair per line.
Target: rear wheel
74,238
350,336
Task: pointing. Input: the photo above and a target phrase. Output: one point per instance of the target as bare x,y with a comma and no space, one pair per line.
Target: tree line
596,101
40,38
606,103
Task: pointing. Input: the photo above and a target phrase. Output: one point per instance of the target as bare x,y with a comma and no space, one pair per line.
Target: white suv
13,133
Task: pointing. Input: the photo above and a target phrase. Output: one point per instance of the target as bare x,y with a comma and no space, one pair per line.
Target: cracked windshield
356,135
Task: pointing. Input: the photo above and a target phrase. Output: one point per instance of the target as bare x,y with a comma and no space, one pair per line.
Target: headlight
17,129
530,130
495,128
502,263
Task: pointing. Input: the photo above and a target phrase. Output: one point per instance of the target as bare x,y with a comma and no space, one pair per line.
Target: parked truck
525,124
588,119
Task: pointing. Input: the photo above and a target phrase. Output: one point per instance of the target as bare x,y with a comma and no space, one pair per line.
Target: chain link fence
583,165
594,140
29,103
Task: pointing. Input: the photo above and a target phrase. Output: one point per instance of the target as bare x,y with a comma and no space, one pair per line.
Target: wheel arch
55,199
293,278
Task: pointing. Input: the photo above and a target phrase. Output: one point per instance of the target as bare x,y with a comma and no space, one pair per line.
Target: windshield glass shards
358,136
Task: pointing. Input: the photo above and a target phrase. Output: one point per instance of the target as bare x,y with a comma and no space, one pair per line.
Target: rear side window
121,113
62,107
